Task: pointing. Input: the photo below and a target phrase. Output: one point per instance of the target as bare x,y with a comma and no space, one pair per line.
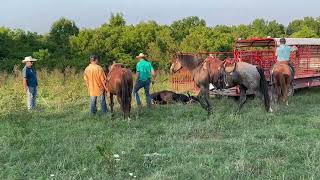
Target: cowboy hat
141,55
28,58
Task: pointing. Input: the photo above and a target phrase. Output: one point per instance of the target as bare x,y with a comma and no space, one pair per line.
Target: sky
38,15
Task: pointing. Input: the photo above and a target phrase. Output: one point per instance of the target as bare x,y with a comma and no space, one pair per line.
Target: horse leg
209,106
243,97
111,103
286,88
202,99
121,106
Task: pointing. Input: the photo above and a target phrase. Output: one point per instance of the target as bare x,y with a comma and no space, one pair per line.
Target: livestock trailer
261,52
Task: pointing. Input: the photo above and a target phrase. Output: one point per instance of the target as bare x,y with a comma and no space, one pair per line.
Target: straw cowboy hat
141,55
28,58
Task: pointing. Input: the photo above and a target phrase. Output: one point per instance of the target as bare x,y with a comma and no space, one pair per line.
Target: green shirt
144,68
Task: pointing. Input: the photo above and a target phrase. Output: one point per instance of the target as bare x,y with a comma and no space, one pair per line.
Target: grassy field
62,141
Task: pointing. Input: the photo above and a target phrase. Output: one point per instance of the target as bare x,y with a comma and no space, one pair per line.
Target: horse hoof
270,110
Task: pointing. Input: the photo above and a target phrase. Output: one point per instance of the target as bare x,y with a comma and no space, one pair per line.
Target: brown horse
249,78
203,73
282,78
120,83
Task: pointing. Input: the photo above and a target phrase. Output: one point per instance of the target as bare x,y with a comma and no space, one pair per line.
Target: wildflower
131,174
116,155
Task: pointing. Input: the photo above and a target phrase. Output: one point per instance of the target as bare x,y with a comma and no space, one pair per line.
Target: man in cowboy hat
95,79
144,75
30,82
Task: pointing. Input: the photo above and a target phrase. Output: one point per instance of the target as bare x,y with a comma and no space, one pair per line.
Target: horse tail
282,82
125,94
264,89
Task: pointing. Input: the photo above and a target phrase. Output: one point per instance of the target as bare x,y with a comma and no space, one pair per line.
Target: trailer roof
300,41
263,42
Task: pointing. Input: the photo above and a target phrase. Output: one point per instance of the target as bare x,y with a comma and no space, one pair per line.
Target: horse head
175,66
115,65
228,74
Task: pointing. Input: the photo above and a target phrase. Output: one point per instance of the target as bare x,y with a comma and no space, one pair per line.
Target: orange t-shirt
94,77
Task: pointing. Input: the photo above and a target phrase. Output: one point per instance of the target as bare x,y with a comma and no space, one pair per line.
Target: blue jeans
93,103
31,97
146,85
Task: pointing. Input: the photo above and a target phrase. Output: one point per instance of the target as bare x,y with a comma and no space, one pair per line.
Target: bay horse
249,78
282,77
120,83
203,73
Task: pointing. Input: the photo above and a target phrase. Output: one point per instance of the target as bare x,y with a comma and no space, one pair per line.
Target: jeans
31,97
146,85
93,103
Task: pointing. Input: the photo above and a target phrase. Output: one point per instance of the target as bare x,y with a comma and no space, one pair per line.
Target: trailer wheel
290,91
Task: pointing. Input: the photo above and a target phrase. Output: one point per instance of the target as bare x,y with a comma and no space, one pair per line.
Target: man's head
29,61
282,41
94,59
140,56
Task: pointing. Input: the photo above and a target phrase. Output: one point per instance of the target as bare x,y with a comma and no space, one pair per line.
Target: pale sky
38,15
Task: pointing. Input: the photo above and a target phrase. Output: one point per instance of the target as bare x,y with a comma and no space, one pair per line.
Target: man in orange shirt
95,81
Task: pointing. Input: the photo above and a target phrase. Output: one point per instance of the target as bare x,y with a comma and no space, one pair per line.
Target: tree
298,25
203,39
5,42
181,28
117,20
274,29
60,33
305,32
241,31
259,28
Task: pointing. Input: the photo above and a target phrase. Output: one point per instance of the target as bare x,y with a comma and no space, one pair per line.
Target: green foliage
60,33
67,46
117,20
305,24
42,54
305,32
203,39
181,28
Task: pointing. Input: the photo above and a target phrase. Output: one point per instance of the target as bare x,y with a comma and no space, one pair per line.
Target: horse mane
189,61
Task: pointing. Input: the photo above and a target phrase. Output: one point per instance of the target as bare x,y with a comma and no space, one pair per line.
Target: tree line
68,46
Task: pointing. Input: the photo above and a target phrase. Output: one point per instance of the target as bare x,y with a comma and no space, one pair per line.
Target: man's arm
85,77
103,79
25,85
294,48
153,73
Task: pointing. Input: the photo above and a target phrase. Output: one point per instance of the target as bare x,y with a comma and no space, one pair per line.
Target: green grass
167,142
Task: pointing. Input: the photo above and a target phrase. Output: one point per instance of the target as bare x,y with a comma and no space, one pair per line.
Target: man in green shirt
144,75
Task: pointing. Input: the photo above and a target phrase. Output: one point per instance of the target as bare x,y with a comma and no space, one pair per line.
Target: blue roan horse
249,78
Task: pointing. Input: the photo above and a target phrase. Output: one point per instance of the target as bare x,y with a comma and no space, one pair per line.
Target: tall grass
62,141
